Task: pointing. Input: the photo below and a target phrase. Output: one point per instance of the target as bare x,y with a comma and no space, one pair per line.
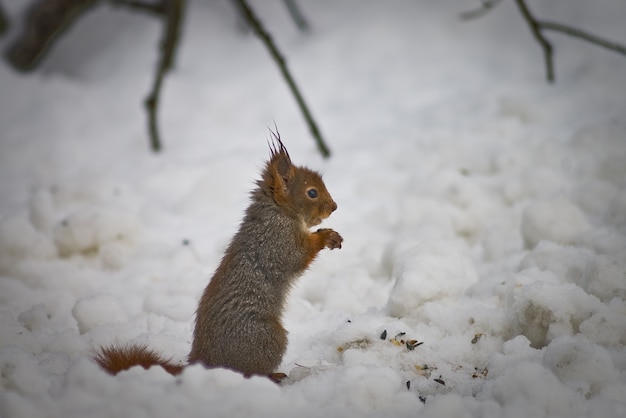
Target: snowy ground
483,212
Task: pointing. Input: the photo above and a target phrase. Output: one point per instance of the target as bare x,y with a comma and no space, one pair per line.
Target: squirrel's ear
284,170
280,164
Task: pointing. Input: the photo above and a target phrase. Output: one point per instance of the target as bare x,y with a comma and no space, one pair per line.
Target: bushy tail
115,359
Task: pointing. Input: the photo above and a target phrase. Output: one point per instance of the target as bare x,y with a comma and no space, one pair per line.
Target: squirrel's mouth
314,221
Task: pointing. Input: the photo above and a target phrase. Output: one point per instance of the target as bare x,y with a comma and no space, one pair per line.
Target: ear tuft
280,161
277,148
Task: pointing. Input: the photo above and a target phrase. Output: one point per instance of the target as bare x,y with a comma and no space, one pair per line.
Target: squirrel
238,321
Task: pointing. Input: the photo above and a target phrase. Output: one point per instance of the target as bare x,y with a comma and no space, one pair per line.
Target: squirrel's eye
312,193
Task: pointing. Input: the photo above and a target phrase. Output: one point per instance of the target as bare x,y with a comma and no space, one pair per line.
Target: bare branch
486,7
44,22
4,22
577,33
158,8
265,37
535,28
297,15
173,13
292,7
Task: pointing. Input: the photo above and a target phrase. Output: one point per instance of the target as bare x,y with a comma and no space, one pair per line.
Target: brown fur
115,359
238,320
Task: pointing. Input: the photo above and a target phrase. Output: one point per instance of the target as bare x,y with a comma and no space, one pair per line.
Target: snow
554,220
431,271
483,212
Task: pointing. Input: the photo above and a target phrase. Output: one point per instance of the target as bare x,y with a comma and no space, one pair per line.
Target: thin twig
577,33
158,8
535,28
4,22
43,24
265,37
297,15
173,16
538,26
486,7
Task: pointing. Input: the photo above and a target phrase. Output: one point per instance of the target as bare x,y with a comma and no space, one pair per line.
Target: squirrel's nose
333,207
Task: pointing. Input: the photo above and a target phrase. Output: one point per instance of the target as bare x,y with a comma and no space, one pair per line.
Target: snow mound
581,365
428,272
557,220
92,312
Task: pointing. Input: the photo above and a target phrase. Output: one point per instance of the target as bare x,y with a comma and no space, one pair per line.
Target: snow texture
483,272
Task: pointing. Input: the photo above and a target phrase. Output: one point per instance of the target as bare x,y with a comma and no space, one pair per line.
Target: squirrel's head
298,190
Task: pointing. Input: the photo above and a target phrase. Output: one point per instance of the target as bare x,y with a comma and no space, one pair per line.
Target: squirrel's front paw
332,239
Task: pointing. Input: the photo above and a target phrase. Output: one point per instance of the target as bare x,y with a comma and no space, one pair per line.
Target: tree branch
173,13
44,22
297,15
265,37
4,22
577,33
486,7
535,28
48,18
156,8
